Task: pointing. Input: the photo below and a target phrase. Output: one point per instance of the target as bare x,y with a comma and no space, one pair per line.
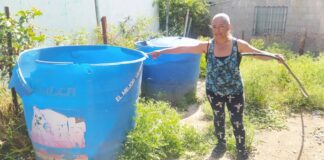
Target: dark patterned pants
235,106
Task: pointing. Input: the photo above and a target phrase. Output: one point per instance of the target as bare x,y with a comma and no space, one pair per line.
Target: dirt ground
285,144
278,145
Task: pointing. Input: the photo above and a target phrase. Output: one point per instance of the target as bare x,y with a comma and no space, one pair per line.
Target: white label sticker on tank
53,129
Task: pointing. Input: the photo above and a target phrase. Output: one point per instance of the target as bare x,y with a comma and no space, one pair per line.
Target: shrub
159,135
22,36
282,49
125,34
258,43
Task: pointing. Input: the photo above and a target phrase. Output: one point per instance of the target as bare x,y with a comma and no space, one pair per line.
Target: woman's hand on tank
155,54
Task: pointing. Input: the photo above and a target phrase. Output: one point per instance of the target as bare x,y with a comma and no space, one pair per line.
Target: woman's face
220,28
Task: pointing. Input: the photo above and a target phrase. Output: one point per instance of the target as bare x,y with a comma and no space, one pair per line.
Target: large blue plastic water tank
171,77
78,100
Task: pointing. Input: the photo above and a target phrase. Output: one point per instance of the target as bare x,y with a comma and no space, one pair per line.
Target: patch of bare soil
287,144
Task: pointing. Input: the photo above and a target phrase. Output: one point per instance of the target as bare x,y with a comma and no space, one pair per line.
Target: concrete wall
303,15
69,16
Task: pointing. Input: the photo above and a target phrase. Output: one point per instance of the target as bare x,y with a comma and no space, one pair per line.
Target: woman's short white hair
223,16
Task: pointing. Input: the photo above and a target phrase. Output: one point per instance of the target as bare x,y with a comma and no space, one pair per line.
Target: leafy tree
198,11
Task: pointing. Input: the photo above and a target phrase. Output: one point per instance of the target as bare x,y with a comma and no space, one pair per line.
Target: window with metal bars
270,20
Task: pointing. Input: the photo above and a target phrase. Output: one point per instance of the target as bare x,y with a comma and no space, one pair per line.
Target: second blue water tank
171,77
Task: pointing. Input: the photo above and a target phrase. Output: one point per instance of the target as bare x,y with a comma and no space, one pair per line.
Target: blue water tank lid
171,42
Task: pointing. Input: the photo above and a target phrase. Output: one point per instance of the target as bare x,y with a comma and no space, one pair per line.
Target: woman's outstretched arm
197,49
244,48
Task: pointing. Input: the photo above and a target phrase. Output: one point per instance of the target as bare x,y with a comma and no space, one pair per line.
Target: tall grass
268,83
14,141
271,92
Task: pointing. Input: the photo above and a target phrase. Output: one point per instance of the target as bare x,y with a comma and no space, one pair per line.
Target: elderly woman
224,84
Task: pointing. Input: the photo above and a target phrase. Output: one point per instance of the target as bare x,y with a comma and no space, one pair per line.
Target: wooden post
104,29
189,27
97,12
10,53
167,18
242,35
186,23
302,43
